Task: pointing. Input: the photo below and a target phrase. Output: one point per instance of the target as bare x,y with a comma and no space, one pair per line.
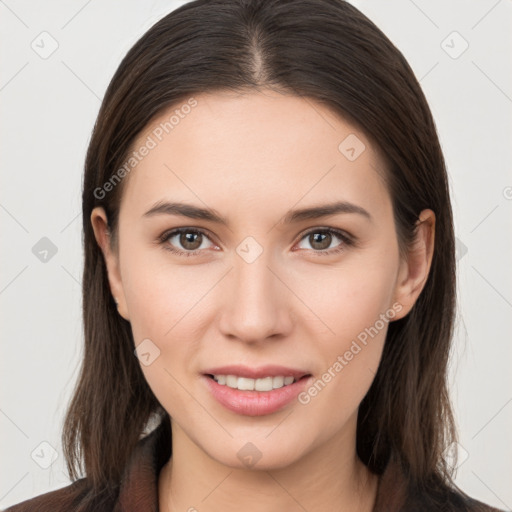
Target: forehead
250,148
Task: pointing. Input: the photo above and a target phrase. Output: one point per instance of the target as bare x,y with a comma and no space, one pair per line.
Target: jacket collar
139,486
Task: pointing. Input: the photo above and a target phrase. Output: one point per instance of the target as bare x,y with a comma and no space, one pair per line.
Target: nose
257,304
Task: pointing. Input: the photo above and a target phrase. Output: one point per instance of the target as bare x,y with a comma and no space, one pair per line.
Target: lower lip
255,403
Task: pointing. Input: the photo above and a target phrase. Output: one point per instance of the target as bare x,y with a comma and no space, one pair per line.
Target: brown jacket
138,491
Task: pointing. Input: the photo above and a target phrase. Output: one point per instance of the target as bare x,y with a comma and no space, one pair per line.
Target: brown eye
191,240
185,241
321,241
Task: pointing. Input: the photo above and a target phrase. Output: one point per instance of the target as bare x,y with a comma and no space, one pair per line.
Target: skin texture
252,157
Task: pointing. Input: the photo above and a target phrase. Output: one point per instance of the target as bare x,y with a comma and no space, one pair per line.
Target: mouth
255,391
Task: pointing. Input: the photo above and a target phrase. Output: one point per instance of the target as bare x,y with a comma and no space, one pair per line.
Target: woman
269,281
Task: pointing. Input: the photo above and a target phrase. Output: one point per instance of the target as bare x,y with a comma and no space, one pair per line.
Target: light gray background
48,109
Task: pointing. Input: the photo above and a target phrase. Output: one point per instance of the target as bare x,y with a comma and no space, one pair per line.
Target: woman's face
272,291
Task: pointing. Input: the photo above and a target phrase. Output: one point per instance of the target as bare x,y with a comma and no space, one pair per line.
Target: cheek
163,297
355,302
350,357
342,302
165,307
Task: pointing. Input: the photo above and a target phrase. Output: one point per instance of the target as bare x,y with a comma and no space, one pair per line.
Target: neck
329,477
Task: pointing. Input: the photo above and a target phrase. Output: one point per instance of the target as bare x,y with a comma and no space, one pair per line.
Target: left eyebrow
315,212
293,216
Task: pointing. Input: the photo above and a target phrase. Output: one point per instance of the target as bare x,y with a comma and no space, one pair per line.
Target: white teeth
244,383
277,382
231,381
263,384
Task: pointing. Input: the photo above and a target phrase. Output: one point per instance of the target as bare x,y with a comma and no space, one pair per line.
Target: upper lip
257,372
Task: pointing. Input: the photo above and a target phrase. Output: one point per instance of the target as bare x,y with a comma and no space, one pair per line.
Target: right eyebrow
185,210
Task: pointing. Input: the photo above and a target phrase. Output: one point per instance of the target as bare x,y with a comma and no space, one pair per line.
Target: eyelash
347,240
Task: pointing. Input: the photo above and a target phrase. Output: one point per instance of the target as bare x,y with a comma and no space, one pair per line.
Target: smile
247,384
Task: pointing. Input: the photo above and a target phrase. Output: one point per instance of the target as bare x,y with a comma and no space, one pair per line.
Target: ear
102,234
415,268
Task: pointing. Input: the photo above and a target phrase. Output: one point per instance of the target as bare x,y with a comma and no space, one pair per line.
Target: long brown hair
328,51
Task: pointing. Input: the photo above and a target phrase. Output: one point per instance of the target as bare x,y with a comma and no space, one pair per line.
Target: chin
258,453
